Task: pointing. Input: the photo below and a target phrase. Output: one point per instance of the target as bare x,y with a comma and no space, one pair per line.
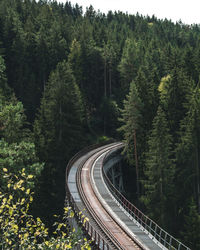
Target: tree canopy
68,79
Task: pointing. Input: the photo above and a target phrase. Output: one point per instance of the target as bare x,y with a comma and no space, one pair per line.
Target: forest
69,79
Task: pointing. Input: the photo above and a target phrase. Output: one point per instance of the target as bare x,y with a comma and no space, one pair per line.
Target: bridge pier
113,169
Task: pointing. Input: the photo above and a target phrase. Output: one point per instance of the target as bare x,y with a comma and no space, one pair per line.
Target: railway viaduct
113,222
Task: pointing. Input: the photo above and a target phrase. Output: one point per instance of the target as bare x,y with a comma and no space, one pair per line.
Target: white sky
186,10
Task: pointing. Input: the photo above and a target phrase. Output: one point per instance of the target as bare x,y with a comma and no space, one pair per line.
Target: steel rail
111,240
89,228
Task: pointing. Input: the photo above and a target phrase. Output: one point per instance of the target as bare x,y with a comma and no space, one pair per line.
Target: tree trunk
136,164
60,125
104,124
105,80
197,176
110,79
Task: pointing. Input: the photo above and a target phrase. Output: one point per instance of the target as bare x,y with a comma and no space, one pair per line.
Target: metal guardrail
90,230
154,231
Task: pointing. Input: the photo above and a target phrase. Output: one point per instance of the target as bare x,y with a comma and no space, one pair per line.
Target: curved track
109,234
89,190
116,235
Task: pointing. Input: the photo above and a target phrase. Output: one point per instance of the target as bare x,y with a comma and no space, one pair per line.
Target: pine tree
191,228
4,89
130,61
75,60
159,171
174,89
188,151
109,57
57,132
131,119
109,113
93,87
60,118
146,86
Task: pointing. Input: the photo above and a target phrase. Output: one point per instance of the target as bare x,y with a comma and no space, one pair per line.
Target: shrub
18,228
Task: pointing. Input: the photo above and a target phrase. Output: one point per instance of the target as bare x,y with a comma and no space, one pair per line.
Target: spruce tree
174,89
148,93
159,171
57,132
109,113
109,57
188,152
130,61
76,61
131,119
191,228
4,89
60,117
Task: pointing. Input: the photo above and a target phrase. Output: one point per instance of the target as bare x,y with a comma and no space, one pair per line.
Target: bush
18,228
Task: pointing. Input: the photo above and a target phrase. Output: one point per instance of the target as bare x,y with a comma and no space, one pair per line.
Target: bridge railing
90,230
155,232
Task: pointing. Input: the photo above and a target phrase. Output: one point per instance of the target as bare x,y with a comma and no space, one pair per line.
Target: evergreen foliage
159,171
13,121
130,61
174,90
60,118
191,235
187,155
131,118
4,88
58,134
70,73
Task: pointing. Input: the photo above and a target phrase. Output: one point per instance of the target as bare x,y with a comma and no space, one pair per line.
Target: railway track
114,223
83,178
115,237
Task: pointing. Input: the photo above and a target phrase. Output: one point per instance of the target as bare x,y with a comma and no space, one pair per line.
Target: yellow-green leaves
20,230
163,84
150,24
28,191
71,214
17,226
30,176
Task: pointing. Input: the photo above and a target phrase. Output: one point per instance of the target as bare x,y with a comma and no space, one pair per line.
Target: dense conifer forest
69,79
